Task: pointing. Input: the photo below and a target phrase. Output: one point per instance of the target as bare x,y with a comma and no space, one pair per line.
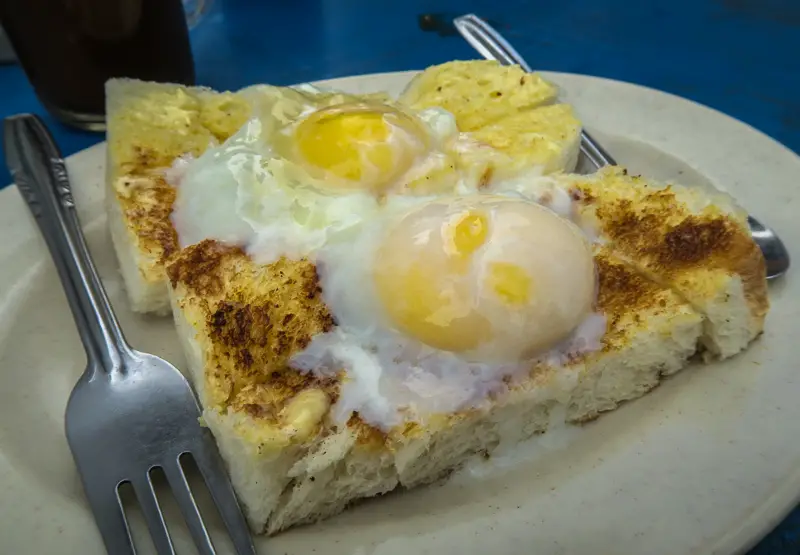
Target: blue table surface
741,57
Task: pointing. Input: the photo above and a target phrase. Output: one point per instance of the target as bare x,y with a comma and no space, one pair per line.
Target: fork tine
146,496
191,514
110,518
216,477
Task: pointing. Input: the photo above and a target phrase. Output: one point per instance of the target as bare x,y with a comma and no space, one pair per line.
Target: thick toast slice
290,463
675,267
502,107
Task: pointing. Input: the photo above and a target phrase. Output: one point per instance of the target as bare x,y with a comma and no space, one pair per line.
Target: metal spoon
492,46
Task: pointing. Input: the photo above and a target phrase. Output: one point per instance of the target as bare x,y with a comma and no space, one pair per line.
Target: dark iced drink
69,48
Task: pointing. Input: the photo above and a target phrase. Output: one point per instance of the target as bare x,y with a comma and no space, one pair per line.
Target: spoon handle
493,46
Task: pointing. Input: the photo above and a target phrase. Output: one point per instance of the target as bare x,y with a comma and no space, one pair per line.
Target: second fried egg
490,277
441,300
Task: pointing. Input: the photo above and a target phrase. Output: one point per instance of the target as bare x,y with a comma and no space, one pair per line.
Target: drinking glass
69,49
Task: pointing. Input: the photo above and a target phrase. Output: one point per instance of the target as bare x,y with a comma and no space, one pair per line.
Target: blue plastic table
739,56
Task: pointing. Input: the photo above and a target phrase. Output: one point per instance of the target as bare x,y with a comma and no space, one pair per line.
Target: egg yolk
437,316
432,305
489,277
509,282
362,146
468,233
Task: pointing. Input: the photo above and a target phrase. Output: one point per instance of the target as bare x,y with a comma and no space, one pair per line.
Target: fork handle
41,176
493,46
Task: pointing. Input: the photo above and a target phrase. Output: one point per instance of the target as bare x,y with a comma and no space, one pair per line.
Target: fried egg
307,168
441,300
477,275
347,142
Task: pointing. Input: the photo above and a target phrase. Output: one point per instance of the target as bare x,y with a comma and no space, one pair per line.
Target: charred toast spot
261,340
240,325
258,411
311,286
621,289
255,317
283,342
654,227
197,268
694,240
147,208
622,295
656,234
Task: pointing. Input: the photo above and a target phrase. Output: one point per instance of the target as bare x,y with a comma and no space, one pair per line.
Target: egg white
239,193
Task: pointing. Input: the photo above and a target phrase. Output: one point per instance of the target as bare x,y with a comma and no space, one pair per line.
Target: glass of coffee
70,48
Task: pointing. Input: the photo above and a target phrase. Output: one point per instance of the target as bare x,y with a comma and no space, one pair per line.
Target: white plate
705,464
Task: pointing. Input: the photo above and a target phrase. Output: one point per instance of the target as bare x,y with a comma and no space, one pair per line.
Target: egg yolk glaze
485,276
359,146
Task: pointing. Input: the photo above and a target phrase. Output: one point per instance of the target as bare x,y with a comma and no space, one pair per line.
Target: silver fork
130,412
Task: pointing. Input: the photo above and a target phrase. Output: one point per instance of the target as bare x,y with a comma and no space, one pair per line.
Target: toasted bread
548,136
677,271
478,92
695,242
150,125
291,464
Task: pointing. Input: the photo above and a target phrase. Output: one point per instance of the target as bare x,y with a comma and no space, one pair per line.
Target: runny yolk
468,233
438,316
485,276
509,282
431,298
360,147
